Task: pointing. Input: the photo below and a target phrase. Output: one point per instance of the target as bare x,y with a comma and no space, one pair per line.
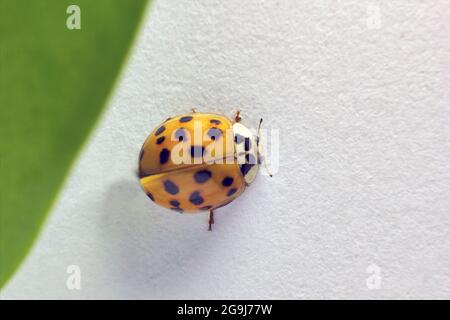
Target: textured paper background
364,178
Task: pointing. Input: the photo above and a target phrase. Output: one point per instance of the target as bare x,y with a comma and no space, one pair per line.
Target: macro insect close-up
199,162
135,162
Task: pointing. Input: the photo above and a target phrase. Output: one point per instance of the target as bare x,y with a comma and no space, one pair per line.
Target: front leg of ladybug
237,117
211,219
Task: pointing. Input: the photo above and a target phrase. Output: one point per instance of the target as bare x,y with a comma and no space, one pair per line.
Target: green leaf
54,83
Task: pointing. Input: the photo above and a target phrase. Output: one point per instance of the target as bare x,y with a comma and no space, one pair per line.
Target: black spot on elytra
170,187
231,192
247,144
185,119
164,156
160,130
214,133
238,138
228,181
174,203
202,176
160,140
196,198
215,121
180,134
197,151
206,208
177,209
150,196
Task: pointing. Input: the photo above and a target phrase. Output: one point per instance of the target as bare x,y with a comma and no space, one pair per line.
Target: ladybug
198,162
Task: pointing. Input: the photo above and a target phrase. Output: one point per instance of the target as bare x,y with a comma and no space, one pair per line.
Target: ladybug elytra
198,162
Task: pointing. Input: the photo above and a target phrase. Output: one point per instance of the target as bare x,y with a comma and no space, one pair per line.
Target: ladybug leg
194,110
237,117
211,219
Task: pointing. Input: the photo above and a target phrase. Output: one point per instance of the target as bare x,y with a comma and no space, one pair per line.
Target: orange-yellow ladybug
198,162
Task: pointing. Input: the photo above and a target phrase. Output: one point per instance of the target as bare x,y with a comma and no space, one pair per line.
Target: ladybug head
247,154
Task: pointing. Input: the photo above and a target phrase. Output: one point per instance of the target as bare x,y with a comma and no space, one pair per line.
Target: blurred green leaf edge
8,265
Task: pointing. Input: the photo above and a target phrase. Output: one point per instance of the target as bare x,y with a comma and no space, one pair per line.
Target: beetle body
197,161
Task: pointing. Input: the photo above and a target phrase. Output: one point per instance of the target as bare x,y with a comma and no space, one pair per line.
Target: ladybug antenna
259,128
257,142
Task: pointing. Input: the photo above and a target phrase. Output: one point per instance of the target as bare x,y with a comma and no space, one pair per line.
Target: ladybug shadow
145,244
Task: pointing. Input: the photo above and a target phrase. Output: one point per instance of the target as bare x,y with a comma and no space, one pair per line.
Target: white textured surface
365,159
